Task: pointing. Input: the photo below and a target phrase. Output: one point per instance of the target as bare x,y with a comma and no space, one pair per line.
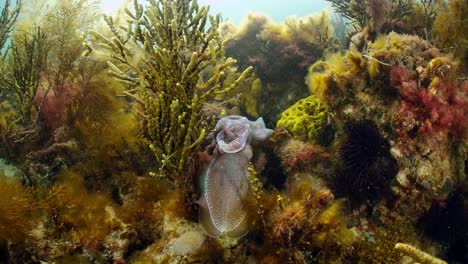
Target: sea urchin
367,166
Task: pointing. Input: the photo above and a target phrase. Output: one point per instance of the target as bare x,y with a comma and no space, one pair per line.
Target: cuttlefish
226,182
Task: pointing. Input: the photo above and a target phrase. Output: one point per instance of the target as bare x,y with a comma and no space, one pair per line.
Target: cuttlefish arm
234,146
228,134
233,135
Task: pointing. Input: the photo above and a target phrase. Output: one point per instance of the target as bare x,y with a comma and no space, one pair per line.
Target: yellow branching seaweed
178,45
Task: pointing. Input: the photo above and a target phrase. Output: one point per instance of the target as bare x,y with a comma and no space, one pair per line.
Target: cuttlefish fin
204,218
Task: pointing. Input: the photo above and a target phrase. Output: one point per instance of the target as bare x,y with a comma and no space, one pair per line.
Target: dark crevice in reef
447,224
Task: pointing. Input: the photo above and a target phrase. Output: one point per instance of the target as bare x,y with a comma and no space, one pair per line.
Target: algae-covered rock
305,119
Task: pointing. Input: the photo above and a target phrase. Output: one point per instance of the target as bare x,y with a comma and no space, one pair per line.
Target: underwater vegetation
19,211
8,18
379,15
127,138
165,78
258,41
452,13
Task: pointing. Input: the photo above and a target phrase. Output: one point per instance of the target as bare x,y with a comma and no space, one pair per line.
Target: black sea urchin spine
367,166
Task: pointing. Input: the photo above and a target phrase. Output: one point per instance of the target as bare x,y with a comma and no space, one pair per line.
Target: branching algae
167,81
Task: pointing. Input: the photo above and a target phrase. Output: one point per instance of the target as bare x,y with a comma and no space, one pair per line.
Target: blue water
278,10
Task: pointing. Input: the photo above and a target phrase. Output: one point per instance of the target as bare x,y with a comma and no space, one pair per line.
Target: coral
367,164
170,87
405,88
305,119
394,49
334,79
417,254
290,223
441,67
138,96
